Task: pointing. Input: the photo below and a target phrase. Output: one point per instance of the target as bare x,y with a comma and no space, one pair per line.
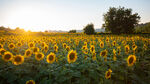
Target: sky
41,15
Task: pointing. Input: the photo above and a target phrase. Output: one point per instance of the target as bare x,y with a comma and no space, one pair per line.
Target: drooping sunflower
1,46
92,48
102,44
39,56
131,60
18,59
30,82
127,49
7,56
51,57
72,56
35,50
11,46
103,53
108,74
2,51
28,53
31,44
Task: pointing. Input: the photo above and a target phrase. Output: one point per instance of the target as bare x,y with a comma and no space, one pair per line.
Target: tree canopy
120,20
89,29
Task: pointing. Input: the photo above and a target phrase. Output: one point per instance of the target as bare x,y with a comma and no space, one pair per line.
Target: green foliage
72,31
120,20
89,29
143,28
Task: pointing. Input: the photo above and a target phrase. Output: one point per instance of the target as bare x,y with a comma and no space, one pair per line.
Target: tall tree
120,20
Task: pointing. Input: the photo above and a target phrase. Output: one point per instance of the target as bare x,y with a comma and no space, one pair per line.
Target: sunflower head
19,44
31,44
55,48
28,53
35,50
103,53
127,49
64,45
7,56
68,48
131,60
108,74
11,46
102,44
92,48
134,47
2,51
39,56
30,82
51,57
94,56
114,43
72,56
18,59
46,48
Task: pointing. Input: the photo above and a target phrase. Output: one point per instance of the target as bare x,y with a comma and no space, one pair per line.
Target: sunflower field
74,59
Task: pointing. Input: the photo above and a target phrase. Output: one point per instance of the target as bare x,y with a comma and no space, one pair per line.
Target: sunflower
18,59
1,46
55,48
35,50
19,44
114,43
108,74
64,45
103,53
51,57
2,51
94,56
28,53
31,44
7,56
11,46
85,49
43,44
68,48
102,44
127,49
107,39
92,48
131,60
118,50
114,55
46,48
30,82
39,56
134,47
72,56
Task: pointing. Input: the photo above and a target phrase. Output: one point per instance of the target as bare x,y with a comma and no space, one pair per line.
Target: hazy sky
40,15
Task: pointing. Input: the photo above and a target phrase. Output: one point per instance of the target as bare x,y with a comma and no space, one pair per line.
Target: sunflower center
17,59
11,46
31,45
108,74
35,50
103,53
92,48
39,55
72,56
7,56
28,53
51,58
131,60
